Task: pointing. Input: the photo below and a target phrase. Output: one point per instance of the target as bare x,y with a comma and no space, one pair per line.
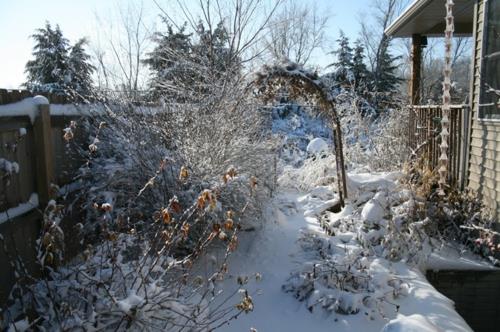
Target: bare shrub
379,142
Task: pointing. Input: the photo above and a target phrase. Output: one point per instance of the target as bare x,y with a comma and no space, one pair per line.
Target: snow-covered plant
136,276
7,168
344,281
460,217
51,242
378,142
159,186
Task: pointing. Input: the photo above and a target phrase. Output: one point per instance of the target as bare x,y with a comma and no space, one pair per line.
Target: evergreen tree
169,60
385,79
181,63
80,69
344,62
56,65
359,69
212,46
50,65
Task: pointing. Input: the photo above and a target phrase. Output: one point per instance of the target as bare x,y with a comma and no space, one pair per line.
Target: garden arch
301,83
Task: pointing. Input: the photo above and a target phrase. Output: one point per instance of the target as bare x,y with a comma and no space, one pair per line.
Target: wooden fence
31,140
424,136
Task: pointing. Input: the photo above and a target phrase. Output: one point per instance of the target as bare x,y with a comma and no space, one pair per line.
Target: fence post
43,150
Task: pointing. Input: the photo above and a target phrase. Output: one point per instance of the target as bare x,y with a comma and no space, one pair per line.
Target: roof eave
414,9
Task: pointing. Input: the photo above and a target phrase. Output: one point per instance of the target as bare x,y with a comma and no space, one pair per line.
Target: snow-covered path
274,253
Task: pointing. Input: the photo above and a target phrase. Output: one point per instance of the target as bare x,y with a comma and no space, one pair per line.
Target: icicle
445,122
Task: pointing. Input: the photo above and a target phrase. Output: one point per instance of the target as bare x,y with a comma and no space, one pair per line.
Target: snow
451,258
9,167
73,110
412,323
317,146
40,100
19,326
20,209
371,182
25,107
29,107
132,301
375,209
276,253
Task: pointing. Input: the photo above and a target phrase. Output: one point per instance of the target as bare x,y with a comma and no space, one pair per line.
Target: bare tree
126,42
245,22
432,68
296,32
372,31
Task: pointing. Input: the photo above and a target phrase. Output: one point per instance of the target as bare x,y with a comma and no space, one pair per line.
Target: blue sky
19,18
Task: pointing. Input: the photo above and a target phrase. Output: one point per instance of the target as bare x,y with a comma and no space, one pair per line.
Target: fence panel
425,139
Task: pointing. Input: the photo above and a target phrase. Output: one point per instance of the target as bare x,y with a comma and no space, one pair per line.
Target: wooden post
416,64
44,153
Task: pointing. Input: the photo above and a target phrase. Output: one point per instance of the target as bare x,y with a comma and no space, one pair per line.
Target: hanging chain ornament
445,121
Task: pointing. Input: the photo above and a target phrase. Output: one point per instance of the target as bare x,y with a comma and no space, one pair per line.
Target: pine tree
213,48
80,69
385,79
57,66
344,62
359,68
168,60
182,61
48,69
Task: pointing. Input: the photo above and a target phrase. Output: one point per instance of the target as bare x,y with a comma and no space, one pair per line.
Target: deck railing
424,137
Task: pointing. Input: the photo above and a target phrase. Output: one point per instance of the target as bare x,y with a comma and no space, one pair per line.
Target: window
489,101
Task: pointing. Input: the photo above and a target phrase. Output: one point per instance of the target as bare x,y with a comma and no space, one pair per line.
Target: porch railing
424,137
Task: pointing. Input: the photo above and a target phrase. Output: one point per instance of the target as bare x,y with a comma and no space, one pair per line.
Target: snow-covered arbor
306,85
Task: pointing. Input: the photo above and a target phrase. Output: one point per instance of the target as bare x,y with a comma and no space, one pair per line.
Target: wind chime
445,121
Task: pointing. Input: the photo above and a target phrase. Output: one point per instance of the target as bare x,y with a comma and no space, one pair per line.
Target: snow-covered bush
374,140
460,217
131,280
158,188
344,281
136,271
315,171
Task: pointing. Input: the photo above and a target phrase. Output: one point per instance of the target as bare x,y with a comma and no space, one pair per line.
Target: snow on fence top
19,210
13,96
29,107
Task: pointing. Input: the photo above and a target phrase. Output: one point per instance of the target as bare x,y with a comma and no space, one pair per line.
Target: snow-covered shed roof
426,18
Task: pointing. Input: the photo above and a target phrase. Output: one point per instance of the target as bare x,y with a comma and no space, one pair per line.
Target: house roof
426,18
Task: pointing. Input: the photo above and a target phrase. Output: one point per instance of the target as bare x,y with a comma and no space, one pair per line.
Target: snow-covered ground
313,268
319,270
277,253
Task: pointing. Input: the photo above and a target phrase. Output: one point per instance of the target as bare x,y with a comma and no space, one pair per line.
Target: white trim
407,14
483,44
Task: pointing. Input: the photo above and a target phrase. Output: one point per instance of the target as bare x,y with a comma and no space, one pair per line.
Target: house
474,150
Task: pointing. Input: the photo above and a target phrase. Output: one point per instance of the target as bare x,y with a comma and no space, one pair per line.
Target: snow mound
19,326
365,182
375,209
412,323
40,100
314,172
132,301
317,146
